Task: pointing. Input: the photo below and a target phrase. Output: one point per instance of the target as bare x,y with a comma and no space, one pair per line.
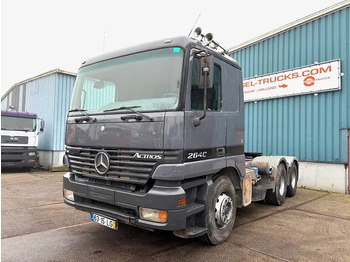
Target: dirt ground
37,226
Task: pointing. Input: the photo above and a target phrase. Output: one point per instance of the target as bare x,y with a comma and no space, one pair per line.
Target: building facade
317,122
48,95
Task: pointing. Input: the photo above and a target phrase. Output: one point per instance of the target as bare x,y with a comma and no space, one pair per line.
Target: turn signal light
154,215
181,202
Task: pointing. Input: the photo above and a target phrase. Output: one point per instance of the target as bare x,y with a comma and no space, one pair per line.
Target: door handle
220,151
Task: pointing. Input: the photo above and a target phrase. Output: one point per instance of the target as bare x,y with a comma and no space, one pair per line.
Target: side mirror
206,77
42,125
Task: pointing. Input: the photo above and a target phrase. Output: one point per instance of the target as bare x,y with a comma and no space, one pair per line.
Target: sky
40,35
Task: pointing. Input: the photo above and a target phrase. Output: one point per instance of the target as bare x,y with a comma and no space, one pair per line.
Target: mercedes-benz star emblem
102,163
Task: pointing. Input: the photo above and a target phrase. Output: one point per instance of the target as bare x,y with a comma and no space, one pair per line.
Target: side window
213,94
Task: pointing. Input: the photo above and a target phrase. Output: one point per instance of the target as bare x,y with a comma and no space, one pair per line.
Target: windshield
150,80
18,123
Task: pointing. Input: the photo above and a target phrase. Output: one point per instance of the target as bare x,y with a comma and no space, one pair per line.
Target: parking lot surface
37,226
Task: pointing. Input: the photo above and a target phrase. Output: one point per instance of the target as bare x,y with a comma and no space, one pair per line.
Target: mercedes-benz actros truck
155,139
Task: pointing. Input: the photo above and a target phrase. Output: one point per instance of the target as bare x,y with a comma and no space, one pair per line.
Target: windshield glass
18,123
150,80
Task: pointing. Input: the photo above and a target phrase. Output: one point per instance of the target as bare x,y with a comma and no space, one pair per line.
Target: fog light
153,215
68,194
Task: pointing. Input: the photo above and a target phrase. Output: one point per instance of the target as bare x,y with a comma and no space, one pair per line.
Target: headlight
68,194
153,215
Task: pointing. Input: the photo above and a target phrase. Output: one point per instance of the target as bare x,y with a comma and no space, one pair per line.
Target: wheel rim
293,183
294,180
282,186
223,210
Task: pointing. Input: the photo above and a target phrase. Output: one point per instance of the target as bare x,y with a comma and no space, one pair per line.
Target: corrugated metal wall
16,99
49,97
63,93
313,128
4,103
40,100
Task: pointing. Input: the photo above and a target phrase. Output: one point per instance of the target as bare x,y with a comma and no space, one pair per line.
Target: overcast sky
41,35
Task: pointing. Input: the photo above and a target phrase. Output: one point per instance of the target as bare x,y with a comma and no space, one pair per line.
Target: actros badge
102,163
147,156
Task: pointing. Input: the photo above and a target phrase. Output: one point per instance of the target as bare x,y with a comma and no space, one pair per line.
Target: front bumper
124,205
18,156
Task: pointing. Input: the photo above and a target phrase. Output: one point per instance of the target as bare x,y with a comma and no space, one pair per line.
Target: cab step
194,208
190,232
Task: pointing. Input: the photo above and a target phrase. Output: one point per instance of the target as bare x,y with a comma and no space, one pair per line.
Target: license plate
104,221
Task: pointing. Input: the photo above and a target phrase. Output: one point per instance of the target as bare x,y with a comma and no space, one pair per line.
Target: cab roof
18,114
181,41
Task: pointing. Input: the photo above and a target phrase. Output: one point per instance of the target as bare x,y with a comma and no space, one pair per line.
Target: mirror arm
197,120
42,125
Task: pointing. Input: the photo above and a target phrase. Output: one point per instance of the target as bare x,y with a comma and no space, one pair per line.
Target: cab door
207,140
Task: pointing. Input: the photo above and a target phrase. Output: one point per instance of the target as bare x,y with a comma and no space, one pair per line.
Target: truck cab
155,138
19,139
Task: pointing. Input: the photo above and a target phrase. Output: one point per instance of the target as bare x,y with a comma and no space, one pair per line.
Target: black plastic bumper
18,156
124,205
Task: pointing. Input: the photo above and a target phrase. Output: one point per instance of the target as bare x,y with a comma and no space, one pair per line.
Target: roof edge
314,16
18,114
54,71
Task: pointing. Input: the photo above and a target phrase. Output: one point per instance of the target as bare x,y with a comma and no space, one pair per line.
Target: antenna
104,41
194,24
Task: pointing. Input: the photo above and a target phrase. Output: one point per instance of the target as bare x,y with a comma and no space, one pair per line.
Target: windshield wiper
131,108
87,118
77,110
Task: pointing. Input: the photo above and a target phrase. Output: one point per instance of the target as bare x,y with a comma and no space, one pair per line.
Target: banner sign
315,78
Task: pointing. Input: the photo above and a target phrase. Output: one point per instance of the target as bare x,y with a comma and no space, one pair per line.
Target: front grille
126,166
14,140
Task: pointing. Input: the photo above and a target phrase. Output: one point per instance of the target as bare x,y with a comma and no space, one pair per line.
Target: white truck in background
19,139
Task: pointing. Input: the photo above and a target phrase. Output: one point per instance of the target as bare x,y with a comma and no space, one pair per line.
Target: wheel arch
273,161
234,175
290,161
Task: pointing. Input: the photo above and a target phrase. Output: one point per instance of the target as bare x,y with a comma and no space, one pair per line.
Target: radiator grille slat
127,166
111,178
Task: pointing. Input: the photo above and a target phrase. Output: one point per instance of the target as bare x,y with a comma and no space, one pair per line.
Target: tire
222,211
26,169
293,180
277,196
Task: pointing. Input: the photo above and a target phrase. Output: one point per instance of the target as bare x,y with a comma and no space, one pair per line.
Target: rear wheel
293,180
222,211
278,196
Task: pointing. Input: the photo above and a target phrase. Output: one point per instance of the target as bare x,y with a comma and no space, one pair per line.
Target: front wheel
222,211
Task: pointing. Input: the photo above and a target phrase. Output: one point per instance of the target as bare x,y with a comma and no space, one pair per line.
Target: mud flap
247,187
